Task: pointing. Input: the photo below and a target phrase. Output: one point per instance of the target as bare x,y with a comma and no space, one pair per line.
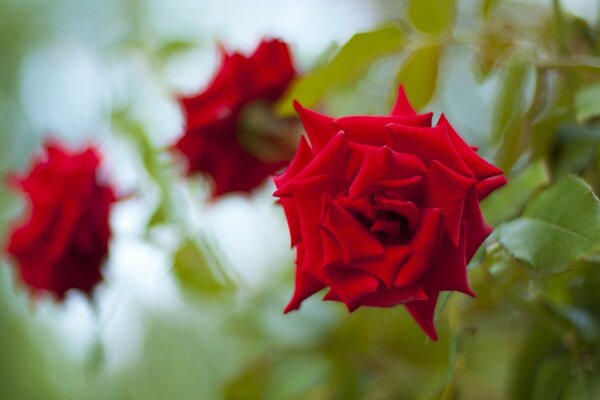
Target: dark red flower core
64,239
215,141
384,210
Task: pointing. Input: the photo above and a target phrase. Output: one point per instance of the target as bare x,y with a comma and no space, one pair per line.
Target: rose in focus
384,210
230,131
63,241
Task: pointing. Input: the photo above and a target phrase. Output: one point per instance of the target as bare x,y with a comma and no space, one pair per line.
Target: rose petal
395,296
331,161
371,129
447,190
402,105
333,254
423,312
350,285
480,167
488,185
450,271
430,144
383,164
386,268
319,128
424,247
293,220
477,229
406,209
271,70
356,241
306,286
304,155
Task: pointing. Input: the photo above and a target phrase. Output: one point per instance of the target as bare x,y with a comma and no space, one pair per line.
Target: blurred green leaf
155,166
510,108
418,75
431,16
251,382
352,60
587,102
551,377
558,227
584,386
574,148
174,47
487,6
537,347
581,64
197,269
508,201
492,46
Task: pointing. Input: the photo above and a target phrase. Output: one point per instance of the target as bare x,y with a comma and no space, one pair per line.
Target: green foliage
350,62
431,16
419,74
558,227
508,202
198,269
587,102
511,105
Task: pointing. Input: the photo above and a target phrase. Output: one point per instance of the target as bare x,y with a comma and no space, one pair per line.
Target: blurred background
108,72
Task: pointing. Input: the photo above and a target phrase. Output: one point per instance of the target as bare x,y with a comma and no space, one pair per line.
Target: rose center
391,220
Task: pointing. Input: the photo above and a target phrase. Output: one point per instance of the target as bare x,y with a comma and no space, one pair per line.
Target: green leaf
418,75
558,227
487,7
584,386
574,148
509,201
352,60
197,269
551,377
431,16
510,108
173,48
587,102
155,166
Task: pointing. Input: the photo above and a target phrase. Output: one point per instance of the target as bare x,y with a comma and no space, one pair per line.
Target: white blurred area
75,79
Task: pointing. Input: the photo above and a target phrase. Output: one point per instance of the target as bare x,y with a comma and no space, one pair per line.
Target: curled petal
371,129
385,268
430,144
402,105
306,286
395,296
424,248
304,155
385,165
423,312
447,190
319,128
356,241
479,166
350,285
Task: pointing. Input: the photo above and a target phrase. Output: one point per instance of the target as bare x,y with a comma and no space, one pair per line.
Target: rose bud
62,241
384,210
231,132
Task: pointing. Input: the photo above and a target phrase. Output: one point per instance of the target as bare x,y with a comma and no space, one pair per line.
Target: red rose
213,140
64,239
384,210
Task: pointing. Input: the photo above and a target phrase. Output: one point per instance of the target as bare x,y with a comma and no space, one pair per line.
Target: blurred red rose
384,210
63,241
221,122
